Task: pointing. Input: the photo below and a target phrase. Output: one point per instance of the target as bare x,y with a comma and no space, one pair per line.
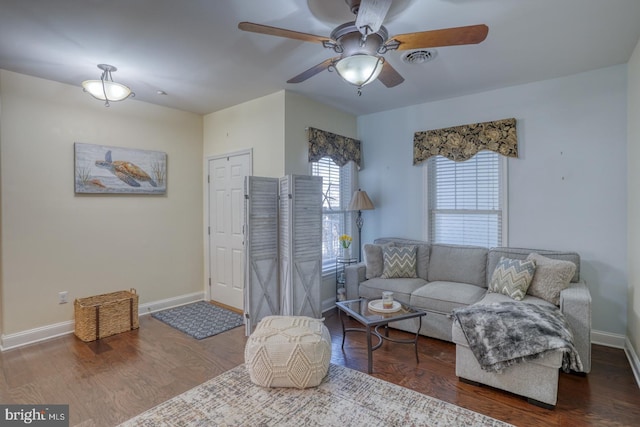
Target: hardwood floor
114,379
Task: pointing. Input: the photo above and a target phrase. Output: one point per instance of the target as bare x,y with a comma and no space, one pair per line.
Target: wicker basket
104,315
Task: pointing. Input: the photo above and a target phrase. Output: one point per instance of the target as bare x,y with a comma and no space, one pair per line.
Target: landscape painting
105,169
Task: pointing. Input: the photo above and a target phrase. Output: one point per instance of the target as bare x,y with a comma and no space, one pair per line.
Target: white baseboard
152,307
608,339
31,336
633,360
35,335
328,304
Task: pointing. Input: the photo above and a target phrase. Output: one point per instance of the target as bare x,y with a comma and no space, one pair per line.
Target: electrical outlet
62,297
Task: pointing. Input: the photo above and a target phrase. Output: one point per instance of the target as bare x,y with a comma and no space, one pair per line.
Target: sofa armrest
354,274
575,304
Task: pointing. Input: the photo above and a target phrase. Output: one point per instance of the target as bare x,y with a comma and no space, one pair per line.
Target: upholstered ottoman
537,380
288,351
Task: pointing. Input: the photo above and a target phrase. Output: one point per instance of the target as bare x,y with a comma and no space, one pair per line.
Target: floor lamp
360,202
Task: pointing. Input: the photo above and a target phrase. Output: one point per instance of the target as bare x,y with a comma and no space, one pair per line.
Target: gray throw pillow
399,262
512,277
373,260
552,276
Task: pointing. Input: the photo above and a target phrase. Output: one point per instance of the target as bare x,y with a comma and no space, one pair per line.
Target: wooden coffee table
373,320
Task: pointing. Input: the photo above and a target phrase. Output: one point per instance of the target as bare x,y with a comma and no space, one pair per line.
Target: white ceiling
192,49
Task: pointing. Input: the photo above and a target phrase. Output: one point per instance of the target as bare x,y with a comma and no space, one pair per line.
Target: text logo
34,415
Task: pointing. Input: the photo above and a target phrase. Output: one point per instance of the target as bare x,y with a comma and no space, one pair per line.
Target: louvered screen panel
284,236
306,239
262,285
283,247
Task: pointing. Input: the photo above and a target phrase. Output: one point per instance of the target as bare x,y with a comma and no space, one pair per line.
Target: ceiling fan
362,43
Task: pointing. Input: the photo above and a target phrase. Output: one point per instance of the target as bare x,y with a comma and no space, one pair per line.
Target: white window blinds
465,200
337,187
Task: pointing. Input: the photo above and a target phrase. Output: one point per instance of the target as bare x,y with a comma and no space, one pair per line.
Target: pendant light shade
106,89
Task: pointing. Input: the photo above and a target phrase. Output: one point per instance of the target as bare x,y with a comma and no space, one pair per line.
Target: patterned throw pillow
399,261
552,276
512,277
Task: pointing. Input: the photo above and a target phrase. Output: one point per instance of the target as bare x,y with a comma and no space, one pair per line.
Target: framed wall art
105,169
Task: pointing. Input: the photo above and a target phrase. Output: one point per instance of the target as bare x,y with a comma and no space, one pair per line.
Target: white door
226,218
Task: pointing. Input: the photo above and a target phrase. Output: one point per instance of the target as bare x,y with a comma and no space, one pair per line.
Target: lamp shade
106,90
360,201
360,69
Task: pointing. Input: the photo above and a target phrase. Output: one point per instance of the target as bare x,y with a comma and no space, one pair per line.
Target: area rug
200,319
344,398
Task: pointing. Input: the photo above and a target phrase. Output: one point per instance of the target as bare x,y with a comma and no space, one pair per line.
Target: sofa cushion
512,277
457,263
552,276
422,260
373,260
399,262
522,253
401,288
442,297
490,298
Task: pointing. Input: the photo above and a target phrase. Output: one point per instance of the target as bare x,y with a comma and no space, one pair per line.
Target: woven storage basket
104,315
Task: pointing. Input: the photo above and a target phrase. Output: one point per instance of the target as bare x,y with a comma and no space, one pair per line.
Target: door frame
206,225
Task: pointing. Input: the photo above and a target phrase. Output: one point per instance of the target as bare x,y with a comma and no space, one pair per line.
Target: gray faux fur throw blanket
504,333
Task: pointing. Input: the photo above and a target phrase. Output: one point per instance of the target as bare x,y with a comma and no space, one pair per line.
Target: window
338,184
467,200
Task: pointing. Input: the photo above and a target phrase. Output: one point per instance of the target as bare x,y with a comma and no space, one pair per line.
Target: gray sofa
454,276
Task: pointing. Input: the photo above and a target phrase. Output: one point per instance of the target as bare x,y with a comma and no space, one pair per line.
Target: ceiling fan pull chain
373,73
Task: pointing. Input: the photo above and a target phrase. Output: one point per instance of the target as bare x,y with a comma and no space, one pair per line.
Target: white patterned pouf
288,351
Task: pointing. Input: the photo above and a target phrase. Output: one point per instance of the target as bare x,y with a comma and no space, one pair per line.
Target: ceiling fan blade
312,71
472,34
281,32
389,76
371,13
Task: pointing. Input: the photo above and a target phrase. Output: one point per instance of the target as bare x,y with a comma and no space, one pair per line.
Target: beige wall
301,113
633,199
54,240
57,241
274,127
257,124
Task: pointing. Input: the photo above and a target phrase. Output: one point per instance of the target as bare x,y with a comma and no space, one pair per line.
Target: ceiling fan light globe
359,70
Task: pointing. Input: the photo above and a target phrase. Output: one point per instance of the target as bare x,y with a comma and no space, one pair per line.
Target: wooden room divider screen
283,247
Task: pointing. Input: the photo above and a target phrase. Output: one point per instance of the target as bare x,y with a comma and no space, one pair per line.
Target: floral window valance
461,143
339,148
